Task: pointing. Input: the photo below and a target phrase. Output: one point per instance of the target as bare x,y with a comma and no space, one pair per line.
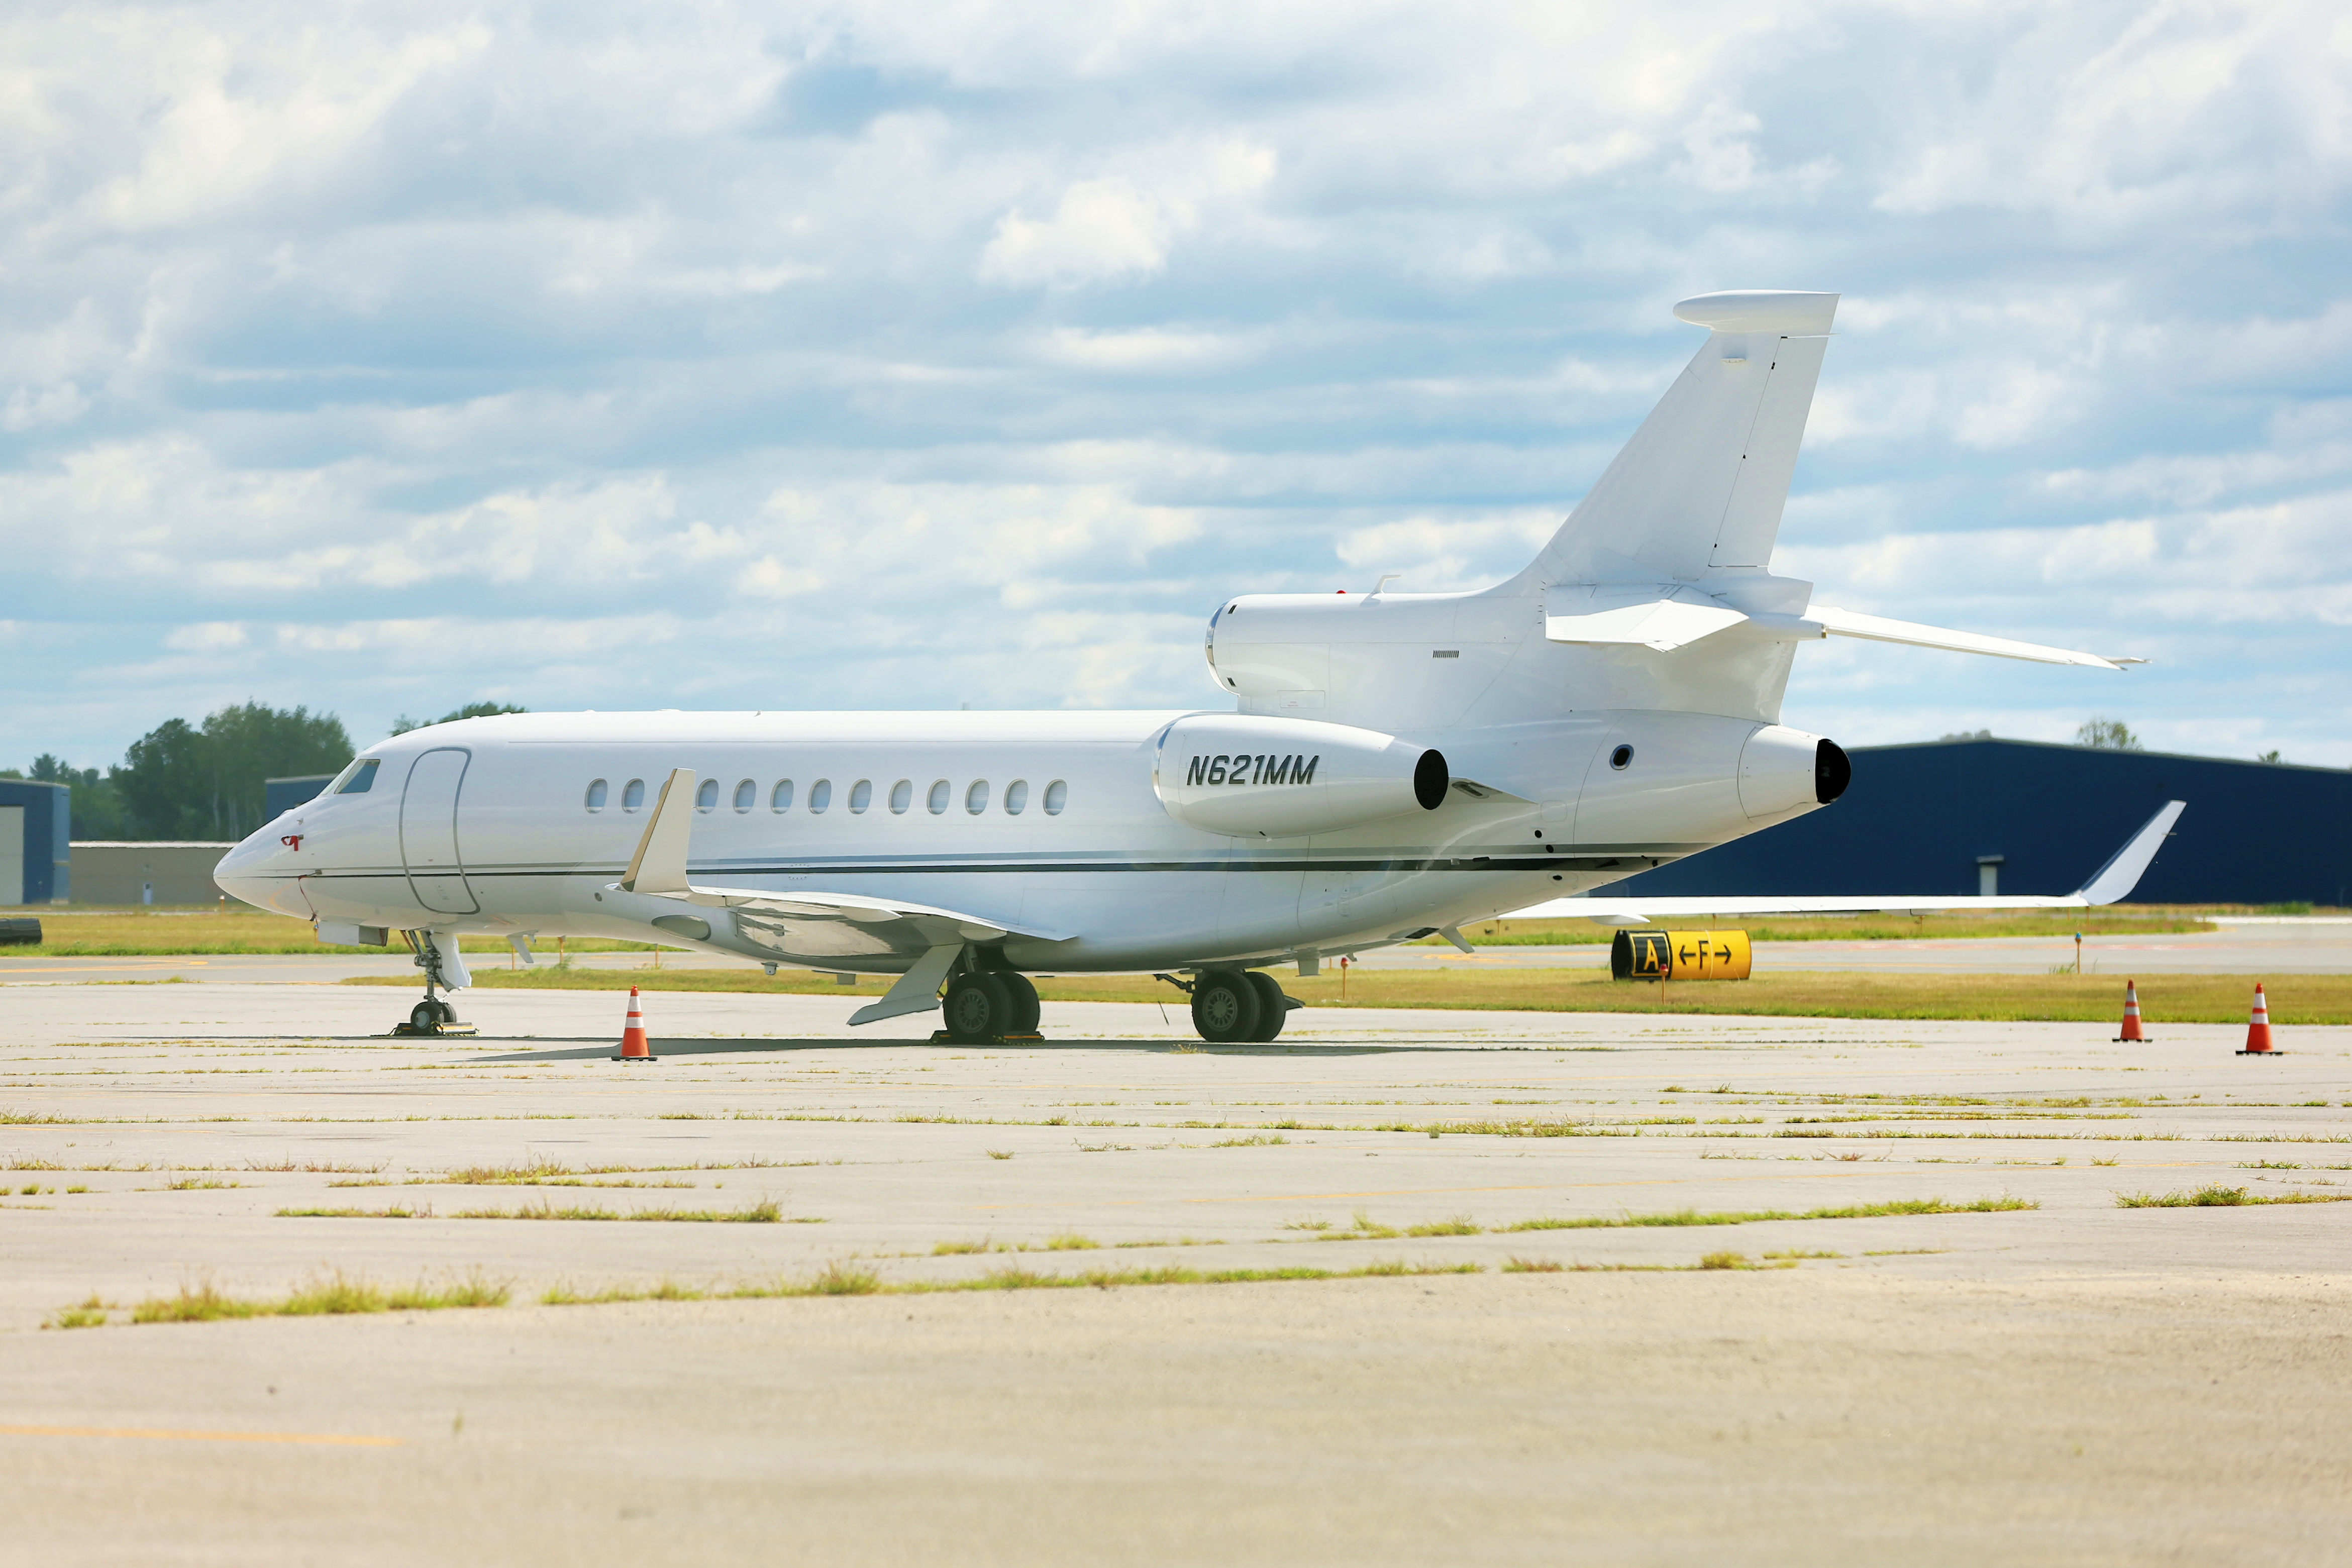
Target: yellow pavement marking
331,1440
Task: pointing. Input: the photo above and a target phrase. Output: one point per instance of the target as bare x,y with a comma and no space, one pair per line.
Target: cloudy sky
382,358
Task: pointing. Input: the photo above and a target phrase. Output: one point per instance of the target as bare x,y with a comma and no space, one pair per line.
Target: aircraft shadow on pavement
662,1048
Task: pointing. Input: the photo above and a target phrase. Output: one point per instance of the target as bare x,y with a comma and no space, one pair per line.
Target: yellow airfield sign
1679,955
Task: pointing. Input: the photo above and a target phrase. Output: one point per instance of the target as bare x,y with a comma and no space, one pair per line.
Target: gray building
127,871
36,842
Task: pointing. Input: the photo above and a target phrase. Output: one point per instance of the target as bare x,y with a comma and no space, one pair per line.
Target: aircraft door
428,832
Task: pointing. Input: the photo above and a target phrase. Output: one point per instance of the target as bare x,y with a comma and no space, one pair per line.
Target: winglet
2126,866
660,865
917,990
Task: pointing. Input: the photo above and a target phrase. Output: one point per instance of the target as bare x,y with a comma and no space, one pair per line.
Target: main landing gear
987,1005
434,1015
1231,1006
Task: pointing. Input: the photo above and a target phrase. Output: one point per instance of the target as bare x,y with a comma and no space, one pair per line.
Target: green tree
2106,735
179,781
95,806
404,724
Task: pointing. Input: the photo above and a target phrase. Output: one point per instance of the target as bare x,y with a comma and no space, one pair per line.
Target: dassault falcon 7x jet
1389,766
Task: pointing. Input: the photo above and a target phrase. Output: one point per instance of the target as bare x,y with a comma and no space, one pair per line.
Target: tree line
206,781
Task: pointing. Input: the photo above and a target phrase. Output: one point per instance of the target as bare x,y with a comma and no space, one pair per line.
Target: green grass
847,1279
91,1314
142,933
393,1211
1682,1217
2215,1195
767,1211
2110,922
334,1293
2083,998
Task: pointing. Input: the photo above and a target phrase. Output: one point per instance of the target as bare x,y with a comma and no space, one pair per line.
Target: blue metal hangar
35,825
1984,816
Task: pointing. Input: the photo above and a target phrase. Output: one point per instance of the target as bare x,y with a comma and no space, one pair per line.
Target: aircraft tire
977,1008
1225,1006
1025,1006
425,1017
1272,1007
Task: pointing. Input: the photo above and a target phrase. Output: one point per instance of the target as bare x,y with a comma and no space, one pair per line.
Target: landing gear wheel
978,1008
1225,1006
1272,1007
424,1018
1023,1017
448,1014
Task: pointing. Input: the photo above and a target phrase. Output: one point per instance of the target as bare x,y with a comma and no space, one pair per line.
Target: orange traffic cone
2131,1013
2257,1028
633,1045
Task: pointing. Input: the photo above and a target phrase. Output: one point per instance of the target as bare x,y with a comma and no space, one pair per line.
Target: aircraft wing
807,926
2111,882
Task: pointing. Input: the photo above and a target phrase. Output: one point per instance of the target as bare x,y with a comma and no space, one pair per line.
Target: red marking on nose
292,841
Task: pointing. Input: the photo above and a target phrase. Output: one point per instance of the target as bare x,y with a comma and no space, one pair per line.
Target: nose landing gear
434,1015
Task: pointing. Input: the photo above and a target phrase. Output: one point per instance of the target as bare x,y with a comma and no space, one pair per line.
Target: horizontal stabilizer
2110,882
1580,614
1878,629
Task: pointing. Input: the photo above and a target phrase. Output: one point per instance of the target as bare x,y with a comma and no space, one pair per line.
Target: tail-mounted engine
1248,776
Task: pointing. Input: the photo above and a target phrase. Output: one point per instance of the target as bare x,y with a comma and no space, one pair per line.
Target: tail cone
2257,1028
2131,1013
634,1044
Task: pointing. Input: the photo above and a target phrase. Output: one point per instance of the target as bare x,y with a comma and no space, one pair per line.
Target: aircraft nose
240,873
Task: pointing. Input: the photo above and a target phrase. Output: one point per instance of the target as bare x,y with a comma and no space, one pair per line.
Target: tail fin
1701,484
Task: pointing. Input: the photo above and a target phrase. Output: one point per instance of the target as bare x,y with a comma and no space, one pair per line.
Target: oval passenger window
861,795
706,795
782,798
632,794
902,795
820,794
938,798
596,796
975,800
1621,757
1016,795
745,794
1058,795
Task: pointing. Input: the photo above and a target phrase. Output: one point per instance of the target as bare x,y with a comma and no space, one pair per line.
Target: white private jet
1394,766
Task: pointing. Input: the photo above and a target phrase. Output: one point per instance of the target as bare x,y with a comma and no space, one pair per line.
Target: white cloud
844,354
1109,228
30,408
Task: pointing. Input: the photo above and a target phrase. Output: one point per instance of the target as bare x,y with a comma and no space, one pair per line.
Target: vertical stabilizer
1701,484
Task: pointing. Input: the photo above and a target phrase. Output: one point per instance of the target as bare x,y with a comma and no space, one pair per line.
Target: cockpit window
358,778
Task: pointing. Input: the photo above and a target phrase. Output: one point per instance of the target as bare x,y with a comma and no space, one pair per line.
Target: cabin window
358,778
1622,758
1058,795
820,794
745,794
706,796
861,795
780,798
633,795
975,798
596,793
1016,795
902,795
938,798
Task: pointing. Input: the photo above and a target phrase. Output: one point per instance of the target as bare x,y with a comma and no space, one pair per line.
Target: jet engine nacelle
1275,778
